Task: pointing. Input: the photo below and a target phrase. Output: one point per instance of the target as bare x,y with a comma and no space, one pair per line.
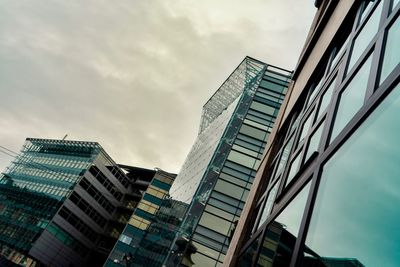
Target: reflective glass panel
365,36
284,156
281,235
339,53
215,223
306,127
392,51
248,257
352,98
367,7
326,98
395,3
201,260
268,205
356,216
314,141
293,168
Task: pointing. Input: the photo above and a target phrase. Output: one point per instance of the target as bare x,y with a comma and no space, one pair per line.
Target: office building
219,170
327,190
150,230
65,203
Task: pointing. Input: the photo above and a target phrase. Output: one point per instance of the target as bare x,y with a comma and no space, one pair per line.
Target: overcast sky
132,75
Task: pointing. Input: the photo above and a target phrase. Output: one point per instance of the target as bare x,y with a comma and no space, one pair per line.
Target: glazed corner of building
327,54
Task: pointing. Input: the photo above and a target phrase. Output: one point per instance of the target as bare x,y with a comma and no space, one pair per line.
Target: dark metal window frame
312,169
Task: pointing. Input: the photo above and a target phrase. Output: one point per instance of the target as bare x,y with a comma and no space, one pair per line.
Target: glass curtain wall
338,161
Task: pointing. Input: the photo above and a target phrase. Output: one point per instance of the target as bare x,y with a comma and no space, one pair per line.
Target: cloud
132,75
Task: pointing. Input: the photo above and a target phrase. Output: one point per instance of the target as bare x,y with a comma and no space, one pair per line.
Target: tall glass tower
218,172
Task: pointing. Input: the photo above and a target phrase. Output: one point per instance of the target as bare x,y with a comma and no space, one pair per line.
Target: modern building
219,170
151,228
327,190
65,203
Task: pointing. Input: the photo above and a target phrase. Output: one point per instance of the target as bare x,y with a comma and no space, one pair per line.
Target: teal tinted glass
392,51
365,36
395,3
352,98
356,215
314,141
280,236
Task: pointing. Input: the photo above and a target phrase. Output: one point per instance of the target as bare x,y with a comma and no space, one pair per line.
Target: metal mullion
361,117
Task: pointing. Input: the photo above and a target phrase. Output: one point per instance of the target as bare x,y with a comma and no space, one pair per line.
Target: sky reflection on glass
357,209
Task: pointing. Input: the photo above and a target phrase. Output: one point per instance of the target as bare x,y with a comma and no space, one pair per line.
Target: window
148,206
357,202
365,35
294,167
269,203
154,191
314,141
306,126
139,222
215,223
326,99
392,54
125,239
352,98
281,235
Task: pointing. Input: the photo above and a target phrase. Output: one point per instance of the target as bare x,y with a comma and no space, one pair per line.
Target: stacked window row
87,209
79,225
97,195
105,182
67,239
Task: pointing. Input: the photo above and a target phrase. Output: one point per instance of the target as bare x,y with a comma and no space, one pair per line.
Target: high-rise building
219,170
64,203
150,230
327,190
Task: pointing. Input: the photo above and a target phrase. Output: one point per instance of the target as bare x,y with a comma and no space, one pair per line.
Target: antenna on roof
65,136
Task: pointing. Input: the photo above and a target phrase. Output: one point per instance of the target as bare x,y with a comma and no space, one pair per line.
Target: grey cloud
131,75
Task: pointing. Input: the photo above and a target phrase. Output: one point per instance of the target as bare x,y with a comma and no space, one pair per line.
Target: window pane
326,98
284,156
215,223
352,98
395,3
365,36
248,257
392,53
268,205
339,53
357,206
201,260
281,235
242,159
294,167
229,189
314,141
306,127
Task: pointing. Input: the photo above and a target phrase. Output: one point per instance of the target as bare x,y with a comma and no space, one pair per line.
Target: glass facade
151,228
60,197
344,182
35,186
221,178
